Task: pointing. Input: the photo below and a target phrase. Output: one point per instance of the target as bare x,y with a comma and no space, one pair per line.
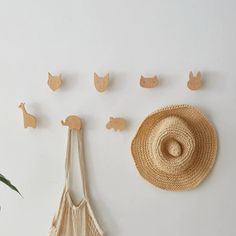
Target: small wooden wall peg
101,83
73,122
116,123
194,82
54,81
29,120
149,82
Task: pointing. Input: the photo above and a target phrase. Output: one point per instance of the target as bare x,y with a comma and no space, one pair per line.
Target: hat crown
174,148
173,145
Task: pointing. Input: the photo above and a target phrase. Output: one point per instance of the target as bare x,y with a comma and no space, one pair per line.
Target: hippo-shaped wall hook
116,123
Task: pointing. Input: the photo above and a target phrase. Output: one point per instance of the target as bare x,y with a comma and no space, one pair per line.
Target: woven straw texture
175,147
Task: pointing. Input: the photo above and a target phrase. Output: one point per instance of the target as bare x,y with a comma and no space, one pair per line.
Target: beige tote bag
71,219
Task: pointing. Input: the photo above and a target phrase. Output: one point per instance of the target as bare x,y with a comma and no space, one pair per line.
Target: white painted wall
125,38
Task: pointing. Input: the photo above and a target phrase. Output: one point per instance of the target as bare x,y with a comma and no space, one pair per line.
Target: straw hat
175,147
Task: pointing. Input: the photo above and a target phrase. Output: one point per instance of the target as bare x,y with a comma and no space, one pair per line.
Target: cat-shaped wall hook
194,82
101,83
149,82
54,81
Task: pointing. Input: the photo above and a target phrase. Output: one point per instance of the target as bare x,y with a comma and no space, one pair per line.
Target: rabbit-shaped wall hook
194,82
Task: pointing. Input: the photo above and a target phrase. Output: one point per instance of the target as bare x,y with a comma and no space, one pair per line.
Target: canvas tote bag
71,219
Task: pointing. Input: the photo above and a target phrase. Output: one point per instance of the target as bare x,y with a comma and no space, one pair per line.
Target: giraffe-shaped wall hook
29,120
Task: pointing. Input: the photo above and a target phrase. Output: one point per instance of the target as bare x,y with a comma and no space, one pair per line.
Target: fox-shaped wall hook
54,81
101,83
194,82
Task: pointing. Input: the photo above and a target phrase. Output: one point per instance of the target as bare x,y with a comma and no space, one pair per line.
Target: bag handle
79,135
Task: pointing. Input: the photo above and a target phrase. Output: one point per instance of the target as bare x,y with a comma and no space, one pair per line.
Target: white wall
125,38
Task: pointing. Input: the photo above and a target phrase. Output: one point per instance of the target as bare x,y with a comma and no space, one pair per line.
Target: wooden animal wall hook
73,122
101,83
194,82
54,81
29,120
149,82
116,123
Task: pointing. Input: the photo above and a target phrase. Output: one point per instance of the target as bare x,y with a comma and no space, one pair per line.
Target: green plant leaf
8,183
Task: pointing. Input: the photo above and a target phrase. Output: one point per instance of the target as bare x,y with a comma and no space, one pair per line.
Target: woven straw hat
175,147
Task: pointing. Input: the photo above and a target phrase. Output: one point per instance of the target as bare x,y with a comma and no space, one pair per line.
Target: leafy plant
8,183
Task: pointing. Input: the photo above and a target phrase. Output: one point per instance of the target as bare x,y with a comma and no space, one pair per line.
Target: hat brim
204,154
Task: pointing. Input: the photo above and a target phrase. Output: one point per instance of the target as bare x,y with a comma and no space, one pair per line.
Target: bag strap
80,157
